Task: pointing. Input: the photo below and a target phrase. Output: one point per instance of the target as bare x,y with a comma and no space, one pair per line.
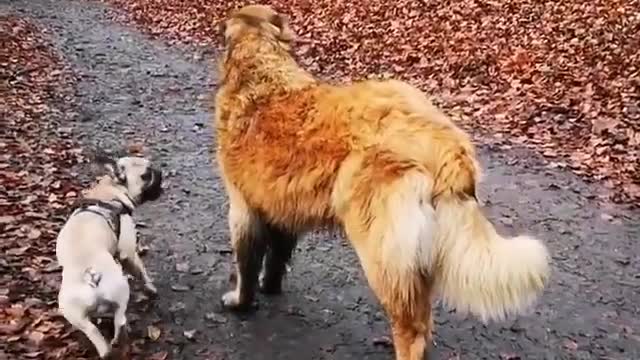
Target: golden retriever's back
296,142
285,146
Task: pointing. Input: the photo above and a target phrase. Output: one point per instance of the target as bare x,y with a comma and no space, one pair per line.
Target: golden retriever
373,158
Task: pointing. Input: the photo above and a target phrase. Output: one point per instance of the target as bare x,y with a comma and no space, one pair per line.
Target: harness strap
115,211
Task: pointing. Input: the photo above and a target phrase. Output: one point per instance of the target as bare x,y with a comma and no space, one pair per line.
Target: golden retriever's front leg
280,247
249,244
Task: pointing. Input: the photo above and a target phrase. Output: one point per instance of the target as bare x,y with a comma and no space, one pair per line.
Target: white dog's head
141,180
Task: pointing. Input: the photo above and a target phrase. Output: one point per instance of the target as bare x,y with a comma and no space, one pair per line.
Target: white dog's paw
150,288
105,353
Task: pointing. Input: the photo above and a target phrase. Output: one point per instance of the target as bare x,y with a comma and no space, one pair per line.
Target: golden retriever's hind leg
405,299
391,227
280,247
411,334
405,295
248,242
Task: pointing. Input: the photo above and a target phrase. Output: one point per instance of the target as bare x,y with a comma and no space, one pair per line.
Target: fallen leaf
179,288
509,356
216,318
507,221
153,332
606,217
18,251
14,327
34,234
570,345
7,219
162,355
177,306
182,267
190,334
36,337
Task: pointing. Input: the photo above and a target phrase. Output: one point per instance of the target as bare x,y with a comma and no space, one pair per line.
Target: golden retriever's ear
282,22
222,29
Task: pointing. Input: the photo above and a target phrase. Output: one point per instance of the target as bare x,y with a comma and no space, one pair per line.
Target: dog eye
146,176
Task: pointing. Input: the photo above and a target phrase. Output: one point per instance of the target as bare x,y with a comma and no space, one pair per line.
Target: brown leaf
153,332
182,267
18,251
570,345
606,217
14,327
509,356
34,234
162,355
36,337
7,219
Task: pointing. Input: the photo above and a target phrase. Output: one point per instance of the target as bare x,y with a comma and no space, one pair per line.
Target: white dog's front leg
129,256
142,274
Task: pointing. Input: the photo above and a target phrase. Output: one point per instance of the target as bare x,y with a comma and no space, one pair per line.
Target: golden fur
373,157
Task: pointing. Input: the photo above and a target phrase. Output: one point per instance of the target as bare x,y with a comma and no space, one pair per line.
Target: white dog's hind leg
120,317
119,323
81,322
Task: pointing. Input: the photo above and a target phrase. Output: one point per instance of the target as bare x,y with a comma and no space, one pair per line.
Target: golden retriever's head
256,19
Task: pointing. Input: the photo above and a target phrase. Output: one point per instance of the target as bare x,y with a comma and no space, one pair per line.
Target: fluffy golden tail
481,272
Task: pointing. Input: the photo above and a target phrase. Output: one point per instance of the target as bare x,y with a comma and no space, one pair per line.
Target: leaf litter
36,188
562,78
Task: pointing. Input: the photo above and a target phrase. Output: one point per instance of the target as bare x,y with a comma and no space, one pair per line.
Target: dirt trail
133,87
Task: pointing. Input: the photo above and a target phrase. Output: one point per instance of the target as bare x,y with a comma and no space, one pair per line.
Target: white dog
100,231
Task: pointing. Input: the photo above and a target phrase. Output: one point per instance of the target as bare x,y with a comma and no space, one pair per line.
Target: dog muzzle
153,189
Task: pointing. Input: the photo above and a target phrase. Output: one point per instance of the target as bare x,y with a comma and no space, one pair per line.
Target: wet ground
132,87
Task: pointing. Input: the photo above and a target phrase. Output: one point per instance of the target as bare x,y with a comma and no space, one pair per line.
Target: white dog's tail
92,277
478,270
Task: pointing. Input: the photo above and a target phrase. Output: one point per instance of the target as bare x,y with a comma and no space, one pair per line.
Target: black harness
110,211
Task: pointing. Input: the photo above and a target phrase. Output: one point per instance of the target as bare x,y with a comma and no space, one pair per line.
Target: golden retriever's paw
231,300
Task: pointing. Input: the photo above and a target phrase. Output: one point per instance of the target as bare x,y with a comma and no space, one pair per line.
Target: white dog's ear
110,165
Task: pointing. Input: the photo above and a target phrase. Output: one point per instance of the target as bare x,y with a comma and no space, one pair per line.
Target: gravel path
134,87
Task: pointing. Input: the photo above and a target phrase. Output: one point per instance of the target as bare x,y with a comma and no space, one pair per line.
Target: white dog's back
84,236
90,275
